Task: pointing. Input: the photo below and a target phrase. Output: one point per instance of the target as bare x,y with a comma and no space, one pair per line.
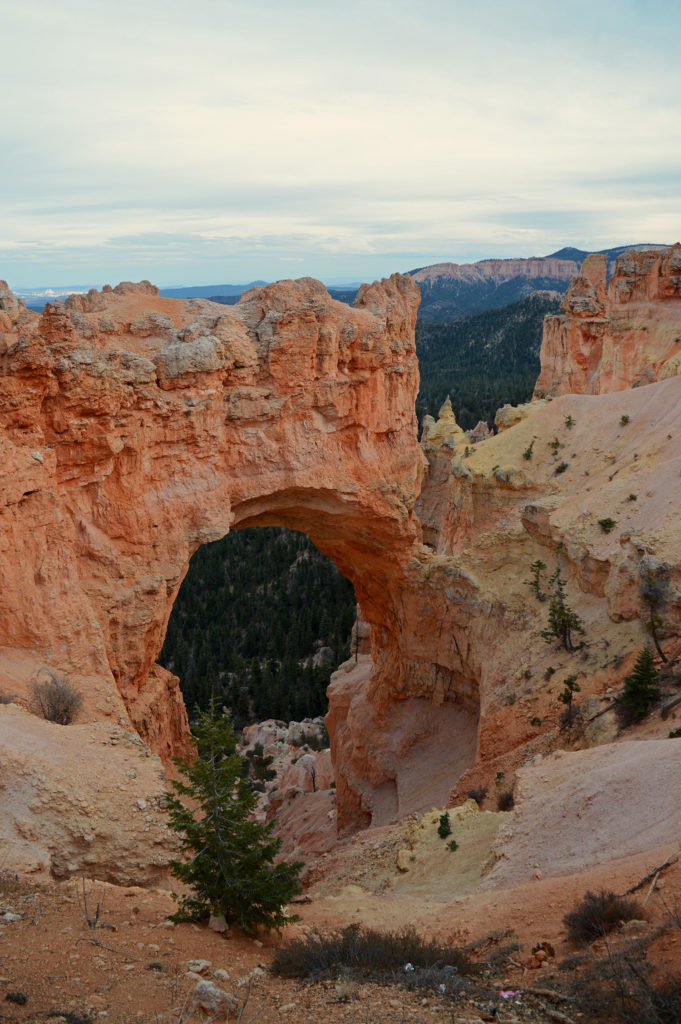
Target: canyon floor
135,965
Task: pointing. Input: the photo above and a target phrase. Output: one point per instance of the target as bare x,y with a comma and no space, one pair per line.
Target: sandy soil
137,966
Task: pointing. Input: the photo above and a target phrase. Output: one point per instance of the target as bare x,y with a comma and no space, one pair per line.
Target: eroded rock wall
134,428
616,336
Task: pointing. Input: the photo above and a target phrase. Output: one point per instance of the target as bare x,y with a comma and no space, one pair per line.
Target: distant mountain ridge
450,291
209,291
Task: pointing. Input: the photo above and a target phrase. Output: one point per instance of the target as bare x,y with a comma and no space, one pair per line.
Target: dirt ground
135,965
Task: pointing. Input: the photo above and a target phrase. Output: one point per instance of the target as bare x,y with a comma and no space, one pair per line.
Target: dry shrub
56,700
367,953
7,698
599,913
624,989
478,794
505,800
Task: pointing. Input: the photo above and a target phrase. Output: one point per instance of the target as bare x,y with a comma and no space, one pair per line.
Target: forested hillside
482,361
263,618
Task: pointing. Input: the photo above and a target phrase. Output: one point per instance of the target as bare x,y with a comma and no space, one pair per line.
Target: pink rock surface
619,338
134,428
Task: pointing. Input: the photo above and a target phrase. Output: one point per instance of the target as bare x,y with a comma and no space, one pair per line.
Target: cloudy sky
224,141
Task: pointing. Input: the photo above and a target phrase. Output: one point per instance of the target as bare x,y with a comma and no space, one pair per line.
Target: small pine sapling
444,829
652,594
570,688
527,454
563,621
534,583
607,525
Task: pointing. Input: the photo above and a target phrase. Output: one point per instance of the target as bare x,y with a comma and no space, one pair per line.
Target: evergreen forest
483,361
262,619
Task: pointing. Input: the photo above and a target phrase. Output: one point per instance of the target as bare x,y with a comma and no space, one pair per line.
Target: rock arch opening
262,619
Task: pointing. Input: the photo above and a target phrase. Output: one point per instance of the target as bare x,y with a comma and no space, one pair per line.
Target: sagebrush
55,699
366,952
597,914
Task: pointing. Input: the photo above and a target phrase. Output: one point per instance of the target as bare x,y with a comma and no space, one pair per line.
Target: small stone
221,974
199,966
208,996
20,998
218,923
9,917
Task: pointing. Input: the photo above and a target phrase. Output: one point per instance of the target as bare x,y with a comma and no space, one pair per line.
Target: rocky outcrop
81,799
499,271
134,428
616,337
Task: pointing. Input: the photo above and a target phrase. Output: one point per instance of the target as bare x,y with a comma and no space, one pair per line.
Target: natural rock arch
135,428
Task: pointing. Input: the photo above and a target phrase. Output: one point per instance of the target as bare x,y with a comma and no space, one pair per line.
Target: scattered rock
209,997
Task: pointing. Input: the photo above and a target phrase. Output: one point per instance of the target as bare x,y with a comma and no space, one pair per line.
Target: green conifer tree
640,689
566,697
563,621
229,863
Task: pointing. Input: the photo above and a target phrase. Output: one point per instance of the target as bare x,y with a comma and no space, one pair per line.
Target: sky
224,141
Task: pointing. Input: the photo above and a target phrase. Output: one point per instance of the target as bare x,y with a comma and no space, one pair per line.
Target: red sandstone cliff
615,337
134,428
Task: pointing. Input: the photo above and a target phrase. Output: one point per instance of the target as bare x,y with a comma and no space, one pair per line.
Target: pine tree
640,689
229,863
652,593
563,621
566,696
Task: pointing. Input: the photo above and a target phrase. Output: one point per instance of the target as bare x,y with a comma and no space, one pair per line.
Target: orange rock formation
134,428
615,337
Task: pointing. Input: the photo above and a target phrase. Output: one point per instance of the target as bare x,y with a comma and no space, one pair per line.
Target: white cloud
227,131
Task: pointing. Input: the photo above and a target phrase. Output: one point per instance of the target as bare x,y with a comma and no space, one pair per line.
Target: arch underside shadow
403,726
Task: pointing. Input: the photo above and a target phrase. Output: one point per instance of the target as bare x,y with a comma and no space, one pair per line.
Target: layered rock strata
619,335
134,428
